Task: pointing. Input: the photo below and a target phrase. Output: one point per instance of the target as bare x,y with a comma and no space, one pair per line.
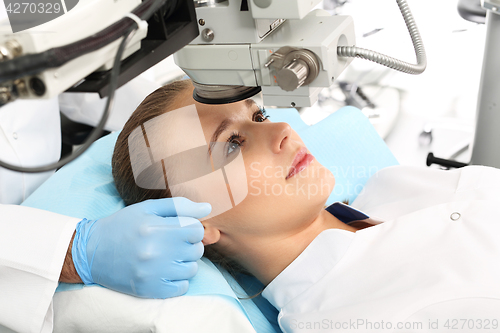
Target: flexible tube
402,66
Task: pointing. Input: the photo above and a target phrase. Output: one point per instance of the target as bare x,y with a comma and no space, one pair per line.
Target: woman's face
280,199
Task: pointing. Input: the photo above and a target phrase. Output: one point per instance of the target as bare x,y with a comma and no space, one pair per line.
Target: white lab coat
431,266
30,135
33,245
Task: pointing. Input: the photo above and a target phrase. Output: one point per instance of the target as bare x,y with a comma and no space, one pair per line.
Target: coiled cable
382,59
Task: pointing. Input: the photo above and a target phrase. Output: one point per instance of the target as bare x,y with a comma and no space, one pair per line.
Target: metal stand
486,146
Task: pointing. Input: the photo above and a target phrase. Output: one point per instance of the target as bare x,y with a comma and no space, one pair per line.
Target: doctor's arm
116,252
68,271
148,249
143,250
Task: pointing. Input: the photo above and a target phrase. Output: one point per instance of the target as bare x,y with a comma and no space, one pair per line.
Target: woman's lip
300,162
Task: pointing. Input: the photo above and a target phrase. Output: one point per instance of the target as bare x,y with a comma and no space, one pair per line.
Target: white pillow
96,309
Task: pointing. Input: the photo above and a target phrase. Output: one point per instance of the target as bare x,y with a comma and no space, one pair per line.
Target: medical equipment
281,46
291,66
486,142
486,145
278,45
35,64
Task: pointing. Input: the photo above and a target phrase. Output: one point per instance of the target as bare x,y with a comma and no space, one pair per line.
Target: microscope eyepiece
222,94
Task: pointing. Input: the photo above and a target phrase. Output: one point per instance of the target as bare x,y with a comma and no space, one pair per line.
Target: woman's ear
212,234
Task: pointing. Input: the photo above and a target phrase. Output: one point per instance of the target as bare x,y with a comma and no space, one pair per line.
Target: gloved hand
144,250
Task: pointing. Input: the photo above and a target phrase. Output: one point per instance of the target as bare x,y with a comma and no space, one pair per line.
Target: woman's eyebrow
250,103
221,128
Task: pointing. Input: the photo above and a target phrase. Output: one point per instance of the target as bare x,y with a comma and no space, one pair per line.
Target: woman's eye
233,146
260,116
233,143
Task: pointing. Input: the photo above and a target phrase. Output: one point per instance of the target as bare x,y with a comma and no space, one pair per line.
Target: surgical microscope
231,50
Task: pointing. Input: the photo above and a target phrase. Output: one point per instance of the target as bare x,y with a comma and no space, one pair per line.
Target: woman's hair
157,103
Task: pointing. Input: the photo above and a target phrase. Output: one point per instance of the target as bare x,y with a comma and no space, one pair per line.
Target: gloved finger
188,208
162,207
170,288
188,229
181,270
191,252
179,206
194,232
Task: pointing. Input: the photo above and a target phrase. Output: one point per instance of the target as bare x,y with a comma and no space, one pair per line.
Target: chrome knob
292,75
293,67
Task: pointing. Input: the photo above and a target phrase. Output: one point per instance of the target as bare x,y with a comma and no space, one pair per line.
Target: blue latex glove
144,250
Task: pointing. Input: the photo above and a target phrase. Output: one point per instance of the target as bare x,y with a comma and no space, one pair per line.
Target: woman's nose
280,133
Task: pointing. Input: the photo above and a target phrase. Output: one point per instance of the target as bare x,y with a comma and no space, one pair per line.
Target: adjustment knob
292,75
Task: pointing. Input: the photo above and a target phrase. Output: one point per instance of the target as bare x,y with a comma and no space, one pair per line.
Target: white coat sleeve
33,245
30,136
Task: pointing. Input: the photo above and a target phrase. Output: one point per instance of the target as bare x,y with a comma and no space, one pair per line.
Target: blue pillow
345,142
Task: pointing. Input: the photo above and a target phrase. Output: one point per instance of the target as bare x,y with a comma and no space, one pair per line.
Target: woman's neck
267,256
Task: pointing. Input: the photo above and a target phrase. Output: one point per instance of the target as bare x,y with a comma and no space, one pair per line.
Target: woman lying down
432,265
